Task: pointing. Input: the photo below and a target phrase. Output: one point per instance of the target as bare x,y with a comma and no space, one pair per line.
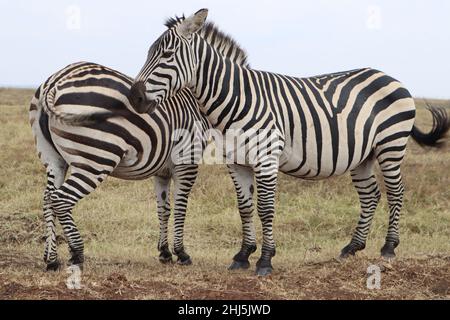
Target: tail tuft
441,125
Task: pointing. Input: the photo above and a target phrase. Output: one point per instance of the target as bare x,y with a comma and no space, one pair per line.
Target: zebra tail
47,101
440,127
84,118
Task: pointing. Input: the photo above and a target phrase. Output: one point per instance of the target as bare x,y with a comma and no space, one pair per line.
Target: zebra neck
215,82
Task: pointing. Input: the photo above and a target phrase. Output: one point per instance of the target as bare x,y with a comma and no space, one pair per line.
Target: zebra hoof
263,271
388,251
183,258
165,260
77,259
53,266
165,257
263,267
350,250
238,265
347,253
184,262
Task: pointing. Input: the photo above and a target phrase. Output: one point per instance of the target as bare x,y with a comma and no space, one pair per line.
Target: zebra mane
172,22
224,43
221,41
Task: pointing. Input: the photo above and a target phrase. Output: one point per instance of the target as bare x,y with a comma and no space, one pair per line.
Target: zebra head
170,64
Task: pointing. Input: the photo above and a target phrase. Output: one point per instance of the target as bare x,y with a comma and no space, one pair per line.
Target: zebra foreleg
243,179
55,177
63,200
366,185
266,182
184,178
162,188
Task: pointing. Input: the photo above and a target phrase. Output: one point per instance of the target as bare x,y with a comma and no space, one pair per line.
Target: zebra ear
193,23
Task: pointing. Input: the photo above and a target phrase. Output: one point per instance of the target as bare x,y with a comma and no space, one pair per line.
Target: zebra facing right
323,126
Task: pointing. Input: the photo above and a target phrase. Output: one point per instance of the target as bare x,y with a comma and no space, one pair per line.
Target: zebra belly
307,162
124,174
309,170
293,164
133,167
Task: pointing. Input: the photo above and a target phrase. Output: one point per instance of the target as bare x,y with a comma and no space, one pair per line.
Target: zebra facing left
82,120
322,126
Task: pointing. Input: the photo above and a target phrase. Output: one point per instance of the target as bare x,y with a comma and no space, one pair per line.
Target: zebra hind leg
243,179
77,186
162,186
184,178
55,178
394,190
364,180
390,156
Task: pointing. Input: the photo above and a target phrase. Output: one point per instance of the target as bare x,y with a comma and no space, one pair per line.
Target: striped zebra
320,126
82,119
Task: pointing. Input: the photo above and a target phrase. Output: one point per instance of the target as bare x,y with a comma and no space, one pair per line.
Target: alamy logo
74,279
374,18
373,277
73,18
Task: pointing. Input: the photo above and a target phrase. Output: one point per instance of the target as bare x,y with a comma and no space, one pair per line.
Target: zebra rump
82,119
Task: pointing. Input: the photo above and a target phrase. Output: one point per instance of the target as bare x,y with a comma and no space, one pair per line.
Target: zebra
320,126
82,120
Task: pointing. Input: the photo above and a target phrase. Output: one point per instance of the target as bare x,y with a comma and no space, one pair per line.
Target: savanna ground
314,221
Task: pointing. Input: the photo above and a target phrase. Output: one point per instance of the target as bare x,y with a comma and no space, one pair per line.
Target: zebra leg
162,185
77,186
55,178
366,185
184,178
266,182
243,179
394,189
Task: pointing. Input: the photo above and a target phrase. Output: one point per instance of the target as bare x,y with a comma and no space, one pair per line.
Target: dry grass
314,221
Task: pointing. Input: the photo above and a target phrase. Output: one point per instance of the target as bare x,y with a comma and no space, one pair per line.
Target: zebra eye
167,54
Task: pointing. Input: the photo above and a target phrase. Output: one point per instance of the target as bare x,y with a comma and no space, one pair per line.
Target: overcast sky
408,39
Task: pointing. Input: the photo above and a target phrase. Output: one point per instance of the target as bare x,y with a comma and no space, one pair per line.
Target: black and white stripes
82,120
319,126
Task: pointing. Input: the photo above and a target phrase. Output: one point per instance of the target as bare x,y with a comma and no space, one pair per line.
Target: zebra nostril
137,94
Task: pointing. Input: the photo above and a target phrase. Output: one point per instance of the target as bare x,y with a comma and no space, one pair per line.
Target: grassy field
314,221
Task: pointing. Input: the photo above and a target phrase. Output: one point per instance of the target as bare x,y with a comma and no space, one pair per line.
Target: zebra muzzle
139,101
